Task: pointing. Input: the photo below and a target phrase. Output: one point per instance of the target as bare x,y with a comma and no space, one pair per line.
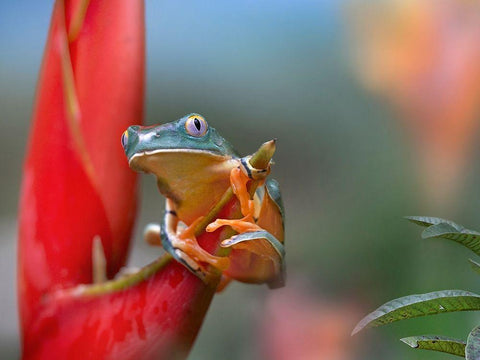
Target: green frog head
188,134
190,160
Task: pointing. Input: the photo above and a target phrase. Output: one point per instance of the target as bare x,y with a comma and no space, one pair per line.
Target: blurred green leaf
436,343
468,238
472,351
420,305
446,229
429,221
438,230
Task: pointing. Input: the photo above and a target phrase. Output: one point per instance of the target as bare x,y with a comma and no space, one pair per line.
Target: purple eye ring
196,125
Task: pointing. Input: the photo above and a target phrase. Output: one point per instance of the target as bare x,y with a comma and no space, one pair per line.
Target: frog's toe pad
151,234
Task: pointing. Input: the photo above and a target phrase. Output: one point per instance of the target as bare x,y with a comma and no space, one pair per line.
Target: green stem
122,282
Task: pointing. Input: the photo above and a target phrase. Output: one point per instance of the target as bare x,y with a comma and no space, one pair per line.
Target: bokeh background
375,107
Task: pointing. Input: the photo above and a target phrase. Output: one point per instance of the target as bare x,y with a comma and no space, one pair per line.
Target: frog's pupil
197,124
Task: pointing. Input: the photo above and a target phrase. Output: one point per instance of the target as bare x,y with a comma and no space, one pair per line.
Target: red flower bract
77,185
77,189
158,318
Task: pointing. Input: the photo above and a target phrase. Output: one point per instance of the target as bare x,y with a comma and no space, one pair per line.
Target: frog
194,166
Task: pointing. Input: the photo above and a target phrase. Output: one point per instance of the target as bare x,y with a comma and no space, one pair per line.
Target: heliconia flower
76,185
423,57
78,203
156,317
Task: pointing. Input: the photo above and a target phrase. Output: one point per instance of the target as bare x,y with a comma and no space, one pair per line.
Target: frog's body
193,165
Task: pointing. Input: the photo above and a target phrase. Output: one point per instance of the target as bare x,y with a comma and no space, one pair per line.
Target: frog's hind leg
224,282
256,257
263,258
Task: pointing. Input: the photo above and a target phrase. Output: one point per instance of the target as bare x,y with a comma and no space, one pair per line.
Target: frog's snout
124,139
130,133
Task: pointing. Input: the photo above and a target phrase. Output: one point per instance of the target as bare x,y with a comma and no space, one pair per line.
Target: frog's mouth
147,161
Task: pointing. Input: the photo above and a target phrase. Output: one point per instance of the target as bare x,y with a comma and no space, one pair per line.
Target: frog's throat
195,180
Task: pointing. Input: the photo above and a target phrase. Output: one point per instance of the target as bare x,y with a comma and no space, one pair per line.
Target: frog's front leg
239,178
184,246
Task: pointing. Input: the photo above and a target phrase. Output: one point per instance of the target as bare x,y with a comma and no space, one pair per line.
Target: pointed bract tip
261,158
269,147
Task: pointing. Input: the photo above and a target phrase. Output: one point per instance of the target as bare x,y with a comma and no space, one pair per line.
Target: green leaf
468,238
472,351
436,343
446,229
420,305
475,265
438,230
429,221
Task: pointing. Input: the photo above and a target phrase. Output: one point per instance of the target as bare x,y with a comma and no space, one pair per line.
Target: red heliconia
77,187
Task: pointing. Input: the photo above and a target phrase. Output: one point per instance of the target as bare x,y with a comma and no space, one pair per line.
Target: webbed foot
238,181
187,251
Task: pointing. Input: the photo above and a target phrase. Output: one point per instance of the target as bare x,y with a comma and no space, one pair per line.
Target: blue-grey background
257,70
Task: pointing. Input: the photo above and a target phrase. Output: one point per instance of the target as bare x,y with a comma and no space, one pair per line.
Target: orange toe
238,181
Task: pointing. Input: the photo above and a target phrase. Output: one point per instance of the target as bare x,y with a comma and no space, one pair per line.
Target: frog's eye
196,125
125,139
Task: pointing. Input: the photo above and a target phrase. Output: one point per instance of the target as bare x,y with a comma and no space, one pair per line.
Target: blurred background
375,107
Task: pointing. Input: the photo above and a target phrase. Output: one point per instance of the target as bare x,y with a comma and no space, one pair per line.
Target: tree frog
194,166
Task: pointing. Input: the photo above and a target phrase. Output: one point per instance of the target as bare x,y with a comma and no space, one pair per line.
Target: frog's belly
197,200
